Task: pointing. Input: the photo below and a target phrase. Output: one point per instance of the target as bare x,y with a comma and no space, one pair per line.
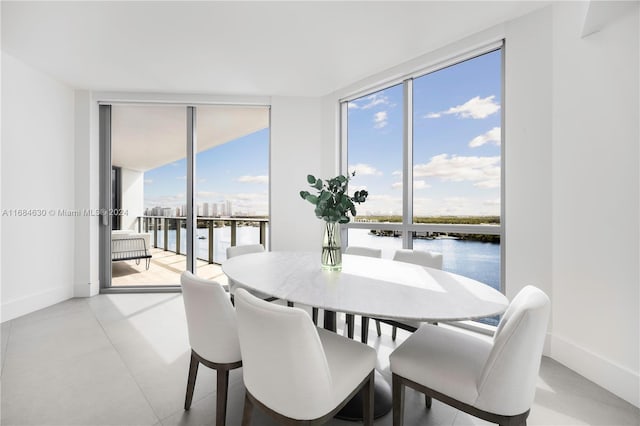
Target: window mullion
407,175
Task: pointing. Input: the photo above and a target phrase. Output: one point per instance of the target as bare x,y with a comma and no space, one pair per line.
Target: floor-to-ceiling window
428,149
188,182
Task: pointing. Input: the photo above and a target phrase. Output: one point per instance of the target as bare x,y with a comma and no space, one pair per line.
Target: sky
456,142
237,170
456,164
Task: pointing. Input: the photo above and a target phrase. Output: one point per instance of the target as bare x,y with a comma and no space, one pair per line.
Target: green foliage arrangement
332,202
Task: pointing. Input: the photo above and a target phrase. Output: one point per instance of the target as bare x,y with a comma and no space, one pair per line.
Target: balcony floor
165,269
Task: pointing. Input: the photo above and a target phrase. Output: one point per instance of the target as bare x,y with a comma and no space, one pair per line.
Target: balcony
168,248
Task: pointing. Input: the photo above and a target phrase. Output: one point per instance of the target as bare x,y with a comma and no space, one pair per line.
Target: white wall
296,129
595,200
132,197
37,173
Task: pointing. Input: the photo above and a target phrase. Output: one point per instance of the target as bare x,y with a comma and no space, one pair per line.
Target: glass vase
331,251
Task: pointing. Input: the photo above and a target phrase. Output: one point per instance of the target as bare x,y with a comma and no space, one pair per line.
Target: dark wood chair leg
427,402
367,400
364,330
222,388
314,315
398,400
191,381
394,332
350,320
247,411
378,328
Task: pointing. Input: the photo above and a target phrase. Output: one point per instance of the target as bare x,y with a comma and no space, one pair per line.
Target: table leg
382,391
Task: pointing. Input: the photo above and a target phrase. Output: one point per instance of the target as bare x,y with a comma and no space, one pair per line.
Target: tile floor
122,359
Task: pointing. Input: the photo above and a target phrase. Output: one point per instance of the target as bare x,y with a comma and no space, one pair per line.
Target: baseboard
86,289
17,307
615,378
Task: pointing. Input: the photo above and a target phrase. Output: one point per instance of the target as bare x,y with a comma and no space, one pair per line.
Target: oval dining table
367,286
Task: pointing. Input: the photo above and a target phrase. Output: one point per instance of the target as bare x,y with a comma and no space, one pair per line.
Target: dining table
370,287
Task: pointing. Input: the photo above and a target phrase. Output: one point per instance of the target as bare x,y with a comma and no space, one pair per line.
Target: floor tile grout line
6,348
126,366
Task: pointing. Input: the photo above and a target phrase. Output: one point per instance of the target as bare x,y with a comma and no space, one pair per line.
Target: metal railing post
155,232
263,233
165,223
210,229
177,236
233,233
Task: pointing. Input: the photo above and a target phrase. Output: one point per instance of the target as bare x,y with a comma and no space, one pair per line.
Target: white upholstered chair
297,373
213,336
239,251
417,257
490,378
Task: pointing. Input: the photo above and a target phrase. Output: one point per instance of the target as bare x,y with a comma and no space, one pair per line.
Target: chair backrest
245,249
238,251
284,364
211,319
363,251
419,257
508,381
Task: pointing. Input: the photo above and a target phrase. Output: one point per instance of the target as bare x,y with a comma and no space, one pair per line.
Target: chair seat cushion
443,359
349,362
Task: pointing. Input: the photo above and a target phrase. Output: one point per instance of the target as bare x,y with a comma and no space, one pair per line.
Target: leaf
341,179
311,179
312,199
325,195
304,194
318,184
344,219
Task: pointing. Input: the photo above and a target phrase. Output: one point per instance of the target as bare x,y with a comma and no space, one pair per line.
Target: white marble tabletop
367,286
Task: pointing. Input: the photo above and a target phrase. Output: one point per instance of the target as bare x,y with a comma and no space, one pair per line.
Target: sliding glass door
183,183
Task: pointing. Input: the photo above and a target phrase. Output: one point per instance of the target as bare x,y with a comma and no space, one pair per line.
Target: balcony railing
161,226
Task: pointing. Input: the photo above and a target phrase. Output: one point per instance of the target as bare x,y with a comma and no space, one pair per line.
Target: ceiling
291,48
144,137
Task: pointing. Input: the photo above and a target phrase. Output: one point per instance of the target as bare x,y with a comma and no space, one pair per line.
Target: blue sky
456,147
236,171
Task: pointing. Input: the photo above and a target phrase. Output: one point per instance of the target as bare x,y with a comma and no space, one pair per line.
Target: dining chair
213,336
417,257
490,378
234,251
296,372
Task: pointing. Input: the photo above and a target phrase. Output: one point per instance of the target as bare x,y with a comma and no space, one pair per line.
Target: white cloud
373,100
352,105
417,184
380,119
492,136
484,172
253,179
420,184
474,108
364,170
